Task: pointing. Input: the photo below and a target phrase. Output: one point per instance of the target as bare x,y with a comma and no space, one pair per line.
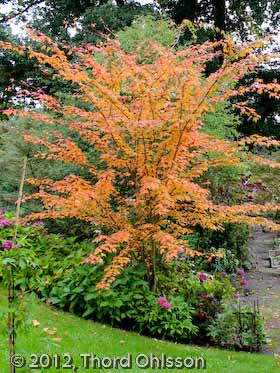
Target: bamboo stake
18,203
11,285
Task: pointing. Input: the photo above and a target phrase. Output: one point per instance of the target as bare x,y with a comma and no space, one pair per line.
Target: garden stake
11,285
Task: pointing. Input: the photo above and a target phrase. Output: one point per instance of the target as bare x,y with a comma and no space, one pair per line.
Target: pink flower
7,245
2,211
202,276
240,272
224,274
166,305
164,302
244,282
26,224
5,223
38,223
205,296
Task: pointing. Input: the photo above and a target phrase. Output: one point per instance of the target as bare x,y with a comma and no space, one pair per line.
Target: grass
75,336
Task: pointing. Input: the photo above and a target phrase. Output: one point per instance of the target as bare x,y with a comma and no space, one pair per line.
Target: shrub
60,280
170,319
173,276
227,262
233,239
239,327
18,255
180,278
117,306
207,294
127,304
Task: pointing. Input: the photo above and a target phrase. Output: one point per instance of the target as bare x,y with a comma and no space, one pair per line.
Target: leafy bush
180,278
172,278
239,327
126,304
60,280
227,262
233,239
77,292
17,256
206,293
167,320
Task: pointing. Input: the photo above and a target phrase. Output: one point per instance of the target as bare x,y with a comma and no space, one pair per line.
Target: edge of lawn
75,335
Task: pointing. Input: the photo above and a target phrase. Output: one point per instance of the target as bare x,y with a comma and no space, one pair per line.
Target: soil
264,287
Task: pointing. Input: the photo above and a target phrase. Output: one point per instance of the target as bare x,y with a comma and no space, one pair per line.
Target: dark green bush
77,293
128,303
63,282
233,240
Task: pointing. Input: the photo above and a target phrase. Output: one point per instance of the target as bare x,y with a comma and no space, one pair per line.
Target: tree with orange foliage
146,123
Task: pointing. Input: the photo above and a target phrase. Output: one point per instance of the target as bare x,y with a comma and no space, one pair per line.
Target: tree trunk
120,2
219,12
154,263
185,9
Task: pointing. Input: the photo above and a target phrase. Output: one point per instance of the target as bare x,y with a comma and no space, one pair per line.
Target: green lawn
78,336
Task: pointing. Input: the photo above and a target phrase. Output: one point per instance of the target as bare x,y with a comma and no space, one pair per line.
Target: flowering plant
164,302
240,282
17,260
202,276
17,256
240,272
172,319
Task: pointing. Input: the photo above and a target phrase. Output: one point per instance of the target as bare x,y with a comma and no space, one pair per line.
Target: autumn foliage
145,121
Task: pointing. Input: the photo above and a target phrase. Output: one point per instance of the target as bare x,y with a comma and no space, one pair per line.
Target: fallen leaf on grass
35,323
57,339
49,331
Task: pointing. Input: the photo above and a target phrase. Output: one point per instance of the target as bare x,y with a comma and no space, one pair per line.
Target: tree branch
20,12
